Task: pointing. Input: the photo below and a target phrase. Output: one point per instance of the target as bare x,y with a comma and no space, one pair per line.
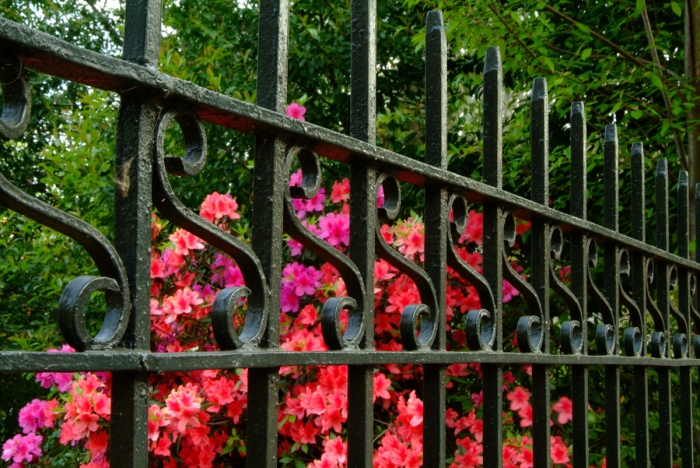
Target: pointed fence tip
434,21
539,89
610,132
637,148
683,179
493,59
578,107
662,167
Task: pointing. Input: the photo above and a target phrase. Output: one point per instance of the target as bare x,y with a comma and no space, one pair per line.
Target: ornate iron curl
480,326
411,339
333,336
633,334
680,340
658,344
571,332
171,208
694,314
113,280
17,96
529,331
605,332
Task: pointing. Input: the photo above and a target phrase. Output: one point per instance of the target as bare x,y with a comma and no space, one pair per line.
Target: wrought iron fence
151,100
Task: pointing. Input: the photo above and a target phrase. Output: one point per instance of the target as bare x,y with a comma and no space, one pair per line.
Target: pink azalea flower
289,301
335,228
559,451
565,409
340,192
381,385
22,448
185,241
183,406
216,206
519,398
296,111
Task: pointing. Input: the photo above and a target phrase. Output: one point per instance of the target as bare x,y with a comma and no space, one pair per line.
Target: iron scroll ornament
480,325
605,332
330,313
571,330
658,344
529,331
113,280
680,339
632,340
171,208
411,338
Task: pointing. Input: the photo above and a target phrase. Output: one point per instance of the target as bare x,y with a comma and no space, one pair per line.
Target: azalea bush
198,418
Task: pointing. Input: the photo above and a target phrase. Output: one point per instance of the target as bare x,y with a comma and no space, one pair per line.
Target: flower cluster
197,418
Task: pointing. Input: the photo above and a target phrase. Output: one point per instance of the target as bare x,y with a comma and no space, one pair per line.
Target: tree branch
522,44
680,149
602,39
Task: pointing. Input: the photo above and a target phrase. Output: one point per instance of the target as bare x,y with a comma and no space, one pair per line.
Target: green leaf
676,8
583,28
636,114
586,53
657,81
549,63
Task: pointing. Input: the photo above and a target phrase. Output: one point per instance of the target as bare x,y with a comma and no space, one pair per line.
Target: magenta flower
22,448
335,228
296,111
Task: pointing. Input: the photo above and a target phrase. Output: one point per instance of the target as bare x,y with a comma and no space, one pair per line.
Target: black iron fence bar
138,116
268,198
579,278
436,221
363,95
641,391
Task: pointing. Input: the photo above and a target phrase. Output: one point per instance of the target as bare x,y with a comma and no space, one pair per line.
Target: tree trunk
692,73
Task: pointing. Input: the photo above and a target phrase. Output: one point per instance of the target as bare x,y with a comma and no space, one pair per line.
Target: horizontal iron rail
46,54
124,360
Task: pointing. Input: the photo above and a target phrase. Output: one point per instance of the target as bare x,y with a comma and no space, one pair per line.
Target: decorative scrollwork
480,325
633,334
113,280
410,337
330,314
605,332
17,98
694,314
571,332
171,208
658,344
680,340
530,333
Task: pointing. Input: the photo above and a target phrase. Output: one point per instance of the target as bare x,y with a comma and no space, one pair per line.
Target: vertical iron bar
363,219
684,298
436,219
612,274
493,243
579,277
639,294
539,144
665,438
132,233
268,197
